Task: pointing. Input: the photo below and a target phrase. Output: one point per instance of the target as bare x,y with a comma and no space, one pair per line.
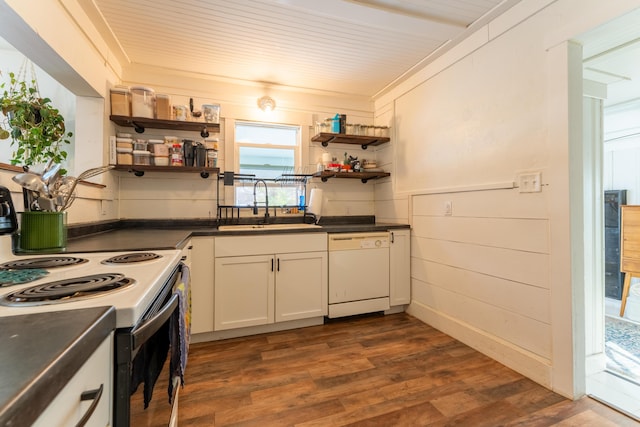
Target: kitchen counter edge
136,239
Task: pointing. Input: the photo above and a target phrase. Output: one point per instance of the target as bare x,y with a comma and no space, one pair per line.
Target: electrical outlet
529,182
448,208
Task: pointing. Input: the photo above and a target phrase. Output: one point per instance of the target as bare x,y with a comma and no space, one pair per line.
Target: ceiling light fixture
266,103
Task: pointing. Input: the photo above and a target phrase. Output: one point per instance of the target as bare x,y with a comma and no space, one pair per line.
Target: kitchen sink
264,227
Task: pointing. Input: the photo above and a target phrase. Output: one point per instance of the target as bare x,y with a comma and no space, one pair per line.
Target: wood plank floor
368,371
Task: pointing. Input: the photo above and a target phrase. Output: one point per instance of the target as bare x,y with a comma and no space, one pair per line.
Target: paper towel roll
315,202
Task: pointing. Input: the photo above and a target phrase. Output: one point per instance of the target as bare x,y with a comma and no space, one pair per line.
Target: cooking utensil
31,181
50,173
69,196
47,204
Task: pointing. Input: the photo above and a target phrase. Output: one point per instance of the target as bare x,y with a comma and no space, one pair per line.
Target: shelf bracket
138,128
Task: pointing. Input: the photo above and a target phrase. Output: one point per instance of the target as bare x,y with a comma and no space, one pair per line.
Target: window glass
267,151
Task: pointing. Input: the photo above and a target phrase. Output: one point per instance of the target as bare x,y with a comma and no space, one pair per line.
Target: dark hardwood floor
367,371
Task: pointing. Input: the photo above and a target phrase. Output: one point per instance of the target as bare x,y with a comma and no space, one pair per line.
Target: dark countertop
137,238
39,355
130,239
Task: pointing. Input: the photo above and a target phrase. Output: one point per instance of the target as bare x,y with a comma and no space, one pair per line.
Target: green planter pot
43,230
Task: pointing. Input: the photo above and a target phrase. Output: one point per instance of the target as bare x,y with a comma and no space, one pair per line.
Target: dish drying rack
229,214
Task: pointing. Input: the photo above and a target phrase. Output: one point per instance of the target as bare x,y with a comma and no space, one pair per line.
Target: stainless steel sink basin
264,227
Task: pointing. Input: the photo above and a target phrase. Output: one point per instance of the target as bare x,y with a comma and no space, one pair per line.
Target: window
267,151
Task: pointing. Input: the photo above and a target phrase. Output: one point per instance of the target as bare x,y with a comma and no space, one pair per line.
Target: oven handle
141,334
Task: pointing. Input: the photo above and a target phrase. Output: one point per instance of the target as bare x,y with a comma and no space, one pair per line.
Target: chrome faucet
266,199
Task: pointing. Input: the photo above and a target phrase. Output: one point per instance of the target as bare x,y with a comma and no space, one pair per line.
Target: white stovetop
130,302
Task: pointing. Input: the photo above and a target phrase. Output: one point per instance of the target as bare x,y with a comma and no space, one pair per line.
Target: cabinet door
301,286
400,267
201,285
244,289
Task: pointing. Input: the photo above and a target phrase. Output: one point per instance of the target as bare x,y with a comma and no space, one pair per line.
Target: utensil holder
43,230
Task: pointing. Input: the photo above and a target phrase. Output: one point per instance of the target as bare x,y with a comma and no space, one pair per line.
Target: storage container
120,101
125,156
211,113
176,155
124,143
141,157
163,107
212,158
140,145
161,160
157,147
143,102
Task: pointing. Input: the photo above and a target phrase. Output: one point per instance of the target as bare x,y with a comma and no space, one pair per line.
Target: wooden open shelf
141,123
341,138
363,176
139,170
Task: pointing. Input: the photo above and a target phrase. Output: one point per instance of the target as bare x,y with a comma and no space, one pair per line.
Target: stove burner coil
132,258
44,262
67,290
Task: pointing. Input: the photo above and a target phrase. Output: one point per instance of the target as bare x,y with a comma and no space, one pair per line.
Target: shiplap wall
482,273
161,195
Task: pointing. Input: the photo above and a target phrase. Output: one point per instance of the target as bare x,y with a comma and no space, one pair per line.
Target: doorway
611,135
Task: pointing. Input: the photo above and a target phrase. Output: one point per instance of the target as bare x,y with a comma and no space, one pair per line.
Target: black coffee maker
8,220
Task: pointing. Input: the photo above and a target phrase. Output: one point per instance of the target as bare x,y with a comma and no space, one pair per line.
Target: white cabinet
265,279
301,286
400,267
201,264
244,291
77,397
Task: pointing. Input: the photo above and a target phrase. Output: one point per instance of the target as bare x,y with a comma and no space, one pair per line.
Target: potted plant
35,127
38,132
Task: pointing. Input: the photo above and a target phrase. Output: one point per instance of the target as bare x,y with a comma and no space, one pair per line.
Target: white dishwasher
358,273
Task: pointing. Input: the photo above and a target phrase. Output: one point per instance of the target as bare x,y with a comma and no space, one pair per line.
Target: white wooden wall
482,273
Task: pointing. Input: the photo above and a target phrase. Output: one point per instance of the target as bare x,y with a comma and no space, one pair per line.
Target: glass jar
176,155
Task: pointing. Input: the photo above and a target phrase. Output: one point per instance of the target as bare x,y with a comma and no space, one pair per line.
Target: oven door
141,355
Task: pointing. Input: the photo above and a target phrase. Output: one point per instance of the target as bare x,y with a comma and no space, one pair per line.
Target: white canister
143,102
181,112
211,113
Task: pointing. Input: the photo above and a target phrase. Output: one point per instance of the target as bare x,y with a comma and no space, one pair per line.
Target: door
301,286
244,289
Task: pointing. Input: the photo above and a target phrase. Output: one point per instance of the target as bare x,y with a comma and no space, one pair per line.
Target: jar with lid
120,101
176,155
143,102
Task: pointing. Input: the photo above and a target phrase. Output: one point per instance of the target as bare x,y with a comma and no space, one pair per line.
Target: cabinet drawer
281,243
67,408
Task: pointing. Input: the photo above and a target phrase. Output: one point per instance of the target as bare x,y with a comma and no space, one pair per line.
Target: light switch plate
529,182
448,208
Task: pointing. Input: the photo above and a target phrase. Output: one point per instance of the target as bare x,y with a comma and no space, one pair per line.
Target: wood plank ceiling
355,47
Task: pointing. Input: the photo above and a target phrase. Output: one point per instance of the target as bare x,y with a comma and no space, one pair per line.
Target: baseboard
255,330
522,361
